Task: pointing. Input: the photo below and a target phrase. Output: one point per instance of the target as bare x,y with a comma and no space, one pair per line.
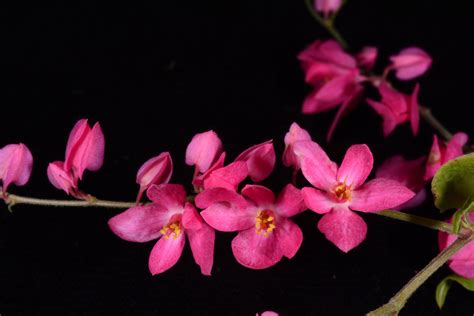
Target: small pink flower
410,63
84,151
16,163
408,173
442,153
169,218
268,313
266,233
397,108
203,150
156,170
339,191
327,7
463,261
335,77
367,57
260,160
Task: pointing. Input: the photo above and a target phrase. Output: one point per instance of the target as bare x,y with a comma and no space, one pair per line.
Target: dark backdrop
154,73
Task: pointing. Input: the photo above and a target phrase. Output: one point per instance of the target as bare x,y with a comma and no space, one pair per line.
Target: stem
12,200
422,221
327,24
426,114
396,303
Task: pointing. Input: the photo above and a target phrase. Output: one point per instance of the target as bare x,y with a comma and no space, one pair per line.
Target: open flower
339,191
410,63
16,163
156,170
461,262
442,153
169,218
335,77
397,108
266,232
84,151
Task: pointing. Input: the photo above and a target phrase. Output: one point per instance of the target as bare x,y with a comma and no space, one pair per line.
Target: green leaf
461,215
443,287
453,184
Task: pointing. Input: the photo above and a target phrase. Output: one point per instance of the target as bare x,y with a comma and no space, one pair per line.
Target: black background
155,73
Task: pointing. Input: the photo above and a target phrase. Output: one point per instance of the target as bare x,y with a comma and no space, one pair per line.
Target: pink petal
269,313
85,149
393,99
289,237
455,146
380,194
228,177
203,149
210,196
170,196
165,254
410,63
290,201
389,119
414,110
258,194
367,57
343,228
330,52
311,105
223,217
202,247
407,172
434,159
317,201
416,201
296,133
61,179
16,163
316,166
140,223
198,180
256,251
346,106
191,219
156,170
356,166
260,160
327,6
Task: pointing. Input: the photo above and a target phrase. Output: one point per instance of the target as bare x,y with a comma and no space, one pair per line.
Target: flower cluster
338,79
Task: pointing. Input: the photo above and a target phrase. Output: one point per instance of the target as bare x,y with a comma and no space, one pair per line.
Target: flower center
342,192
173,228
265,222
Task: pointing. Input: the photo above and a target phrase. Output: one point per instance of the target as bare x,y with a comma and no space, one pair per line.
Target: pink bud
203,149
367,57
327,6
260,160
16,163
85,149
410,63
60,178
156,170
296,133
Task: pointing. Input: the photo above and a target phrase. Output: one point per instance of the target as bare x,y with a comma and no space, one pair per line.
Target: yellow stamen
169,229
264,222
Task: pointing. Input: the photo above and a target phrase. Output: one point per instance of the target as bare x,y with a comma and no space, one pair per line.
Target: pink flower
335,77
16,163
397,108
84,151
463,261
327,7
367,57
339,191
266,233
203,150
442,153
410,63
156,170
169,218
295,134
260,160
408,173
268,313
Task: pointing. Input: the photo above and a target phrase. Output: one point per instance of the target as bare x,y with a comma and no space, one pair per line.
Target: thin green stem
426,114
13,199
327,24
421,221
397,302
